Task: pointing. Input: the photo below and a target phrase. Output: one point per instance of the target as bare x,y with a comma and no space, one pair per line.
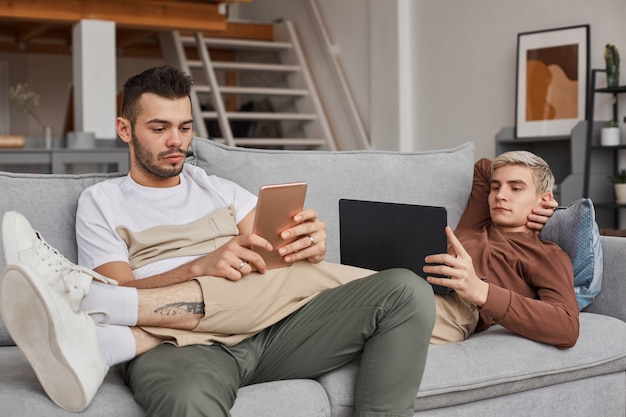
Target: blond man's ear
547,200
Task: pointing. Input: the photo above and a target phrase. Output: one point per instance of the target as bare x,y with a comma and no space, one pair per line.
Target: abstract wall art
552,77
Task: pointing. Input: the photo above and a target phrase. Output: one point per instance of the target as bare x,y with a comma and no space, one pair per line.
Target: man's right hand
457,264
234,259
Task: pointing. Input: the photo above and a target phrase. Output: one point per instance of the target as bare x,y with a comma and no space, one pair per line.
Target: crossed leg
385,319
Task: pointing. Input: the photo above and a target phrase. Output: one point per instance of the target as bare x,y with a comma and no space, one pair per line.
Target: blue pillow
574,229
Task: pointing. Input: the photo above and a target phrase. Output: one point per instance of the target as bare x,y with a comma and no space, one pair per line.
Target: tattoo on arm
181,307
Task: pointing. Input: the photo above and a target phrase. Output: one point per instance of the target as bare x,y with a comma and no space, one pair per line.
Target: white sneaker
22,244
60,344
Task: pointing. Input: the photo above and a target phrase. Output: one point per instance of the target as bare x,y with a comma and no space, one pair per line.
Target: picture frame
552,78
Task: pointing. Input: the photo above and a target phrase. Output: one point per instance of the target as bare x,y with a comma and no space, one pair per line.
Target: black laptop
379,235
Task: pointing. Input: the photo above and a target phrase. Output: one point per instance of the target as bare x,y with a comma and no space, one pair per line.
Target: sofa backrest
440,178
49,203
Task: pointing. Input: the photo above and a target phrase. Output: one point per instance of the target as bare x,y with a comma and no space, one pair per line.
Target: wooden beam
137,14
27,31
125,37
238,30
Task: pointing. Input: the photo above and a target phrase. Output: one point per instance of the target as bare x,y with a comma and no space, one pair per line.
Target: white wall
349,27
466,61
463,60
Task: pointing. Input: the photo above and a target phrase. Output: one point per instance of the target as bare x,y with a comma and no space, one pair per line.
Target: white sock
117,344
120,303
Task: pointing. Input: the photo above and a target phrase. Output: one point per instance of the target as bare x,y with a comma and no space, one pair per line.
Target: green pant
386,318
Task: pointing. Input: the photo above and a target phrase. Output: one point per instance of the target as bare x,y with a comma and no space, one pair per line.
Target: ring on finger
241,265
311,239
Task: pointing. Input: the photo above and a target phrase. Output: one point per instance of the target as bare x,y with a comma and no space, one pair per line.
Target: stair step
283,58
248,115
244,115
253,66
268,91
238,44
245,66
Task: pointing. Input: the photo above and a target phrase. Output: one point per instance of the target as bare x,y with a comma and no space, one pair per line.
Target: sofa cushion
22,395
49,203
473,370
610,301
293,398
440,178
574,229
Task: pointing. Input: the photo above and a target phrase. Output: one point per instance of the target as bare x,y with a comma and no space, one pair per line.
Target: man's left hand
311,239
540,215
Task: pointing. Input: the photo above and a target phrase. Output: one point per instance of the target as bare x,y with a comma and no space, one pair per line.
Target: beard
147,162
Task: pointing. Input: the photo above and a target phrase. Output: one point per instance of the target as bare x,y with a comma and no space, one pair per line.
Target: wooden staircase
252,93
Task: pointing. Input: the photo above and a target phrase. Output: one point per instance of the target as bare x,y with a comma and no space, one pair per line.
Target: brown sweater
531,290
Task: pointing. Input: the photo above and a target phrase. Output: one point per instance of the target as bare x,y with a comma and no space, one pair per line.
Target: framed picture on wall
552,78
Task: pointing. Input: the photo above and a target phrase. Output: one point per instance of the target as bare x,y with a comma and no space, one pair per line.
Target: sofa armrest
612,298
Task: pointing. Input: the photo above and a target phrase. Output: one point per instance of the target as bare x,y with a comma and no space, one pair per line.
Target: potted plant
611,60
619,182
26,99
609,136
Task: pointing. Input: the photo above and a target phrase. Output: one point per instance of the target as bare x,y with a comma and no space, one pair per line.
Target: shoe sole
24,308
8,237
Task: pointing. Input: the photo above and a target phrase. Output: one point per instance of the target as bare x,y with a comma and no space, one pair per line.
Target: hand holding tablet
276,207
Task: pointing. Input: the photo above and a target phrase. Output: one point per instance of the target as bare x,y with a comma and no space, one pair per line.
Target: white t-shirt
107,205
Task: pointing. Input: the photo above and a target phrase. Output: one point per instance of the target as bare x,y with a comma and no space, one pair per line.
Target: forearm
476,213
178,275
551,320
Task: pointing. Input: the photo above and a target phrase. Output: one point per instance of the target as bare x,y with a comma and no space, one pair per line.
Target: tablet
276,206
381,235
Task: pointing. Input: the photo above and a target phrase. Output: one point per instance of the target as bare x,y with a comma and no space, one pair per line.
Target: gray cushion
293,398
601,395
574,229
441,178
610,301
513,367
22,395
49,203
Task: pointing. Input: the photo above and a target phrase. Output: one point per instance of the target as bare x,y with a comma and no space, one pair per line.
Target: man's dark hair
164,81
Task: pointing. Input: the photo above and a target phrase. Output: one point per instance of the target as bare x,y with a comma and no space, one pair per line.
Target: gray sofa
492,373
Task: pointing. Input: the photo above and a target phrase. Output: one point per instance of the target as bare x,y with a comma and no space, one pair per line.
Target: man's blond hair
541,172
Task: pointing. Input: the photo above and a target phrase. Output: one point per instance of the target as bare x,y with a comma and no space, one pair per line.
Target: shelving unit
593,147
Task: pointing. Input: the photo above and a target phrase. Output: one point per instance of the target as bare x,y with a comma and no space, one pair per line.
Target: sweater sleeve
476,213
552,316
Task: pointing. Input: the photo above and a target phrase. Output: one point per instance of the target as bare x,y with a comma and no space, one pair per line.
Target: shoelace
73,274
61,264
50,255
77,280
94,316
